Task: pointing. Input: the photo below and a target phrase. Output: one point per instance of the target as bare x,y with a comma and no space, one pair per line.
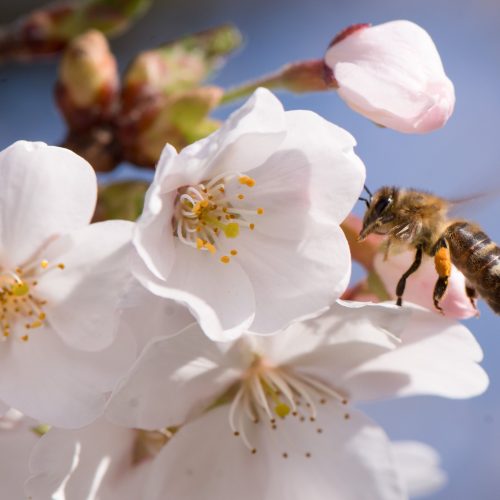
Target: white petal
350,459
58,385
419,466
145,315
83,297
437,356
307,276
88,464
173,379
45,191
15,448
219,295
154,235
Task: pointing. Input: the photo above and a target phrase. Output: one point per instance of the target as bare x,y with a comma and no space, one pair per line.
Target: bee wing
472,203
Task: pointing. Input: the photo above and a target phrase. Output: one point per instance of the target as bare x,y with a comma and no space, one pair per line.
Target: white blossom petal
83,297
172,380
296,274
218,295
58,385
46,191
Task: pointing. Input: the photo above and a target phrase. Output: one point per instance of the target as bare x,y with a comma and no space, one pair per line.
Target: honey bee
420,220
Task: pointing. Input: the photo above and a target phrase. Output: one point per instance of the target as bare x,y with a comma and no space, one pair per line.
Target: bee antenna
368,191
366,201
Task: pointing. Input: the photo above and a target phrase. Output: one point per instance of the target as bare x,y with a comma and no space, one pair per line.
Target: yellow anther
231,230
210,247
247,181
225,259
252,227
44,264
61,265
234,252
204,203
41,316
221,189
20,288
198,229
241,196
260,211
282,410
25,338
199,243
35,324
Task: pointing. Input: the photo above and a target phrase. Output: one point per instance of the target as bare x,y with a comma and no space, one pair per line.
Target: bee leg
400,289
442,262
472,294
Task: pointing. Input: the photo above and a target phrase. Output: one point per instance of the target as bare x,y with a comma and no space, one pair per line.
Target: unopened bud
180,65
393,75
178,119
88,81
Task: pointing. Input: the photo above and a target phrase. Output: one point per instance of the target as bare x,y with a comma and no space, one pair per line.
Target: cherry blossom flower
393,75
420,285
249,214
288,429
61,280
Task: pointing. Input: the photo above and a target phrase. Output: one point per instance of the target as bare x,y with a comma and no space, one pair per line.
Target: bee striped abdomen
478,258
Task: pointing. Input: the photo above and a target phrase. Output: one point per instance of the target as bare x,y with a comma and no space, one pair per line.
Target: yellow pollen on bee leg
225,259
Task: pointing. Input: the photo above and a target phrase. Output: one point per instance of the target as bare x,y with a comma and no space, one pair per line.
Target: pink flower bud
420,285
393,75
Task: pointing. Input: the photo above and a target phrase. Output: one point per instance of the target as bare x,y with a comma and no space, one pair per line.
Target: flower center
18,301
270,394
206,212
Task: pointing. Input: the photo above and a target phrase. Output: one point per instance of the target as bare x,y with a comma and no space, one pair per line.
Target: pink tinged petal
437,356
48,381
419,466
15,448
350,459
420,285
82,298
306,276
87,464
393,75
220,296
46,191
145,316
172,380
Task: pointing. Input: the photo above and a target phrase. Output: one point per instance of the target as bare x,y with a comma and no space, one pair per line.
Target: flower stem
301,76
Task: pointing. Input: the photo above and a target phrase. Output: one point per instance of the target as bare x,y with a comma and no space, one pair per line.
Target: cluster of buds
161,98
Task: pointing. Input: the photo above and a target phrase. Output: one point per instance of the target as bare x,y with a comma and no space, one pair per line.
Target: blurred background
461,159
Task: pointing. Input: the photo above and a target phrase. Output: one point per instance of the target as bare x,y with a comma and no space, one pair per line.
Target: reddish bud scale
348,32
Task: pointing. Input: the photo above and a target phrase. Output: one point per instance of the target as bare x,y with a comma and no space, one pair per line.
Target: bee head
379,212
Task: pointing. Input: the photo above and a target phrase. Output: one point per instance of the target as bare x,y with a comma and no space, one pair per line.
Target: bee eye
381,205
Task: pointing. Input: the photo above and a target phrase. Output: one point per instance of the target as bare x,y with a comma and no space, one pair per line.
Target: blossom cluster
205,350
